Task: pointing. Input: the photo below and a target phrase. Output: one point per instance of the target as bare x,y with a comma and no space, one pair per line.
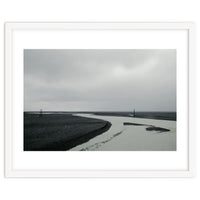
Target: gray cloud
113,80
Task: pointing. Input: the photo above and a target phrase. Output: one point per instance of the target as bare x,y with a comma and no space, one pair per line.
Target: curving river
132,134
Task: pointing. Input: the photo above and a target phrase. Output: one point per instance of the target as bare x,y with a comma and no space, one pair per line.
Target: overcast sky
100,80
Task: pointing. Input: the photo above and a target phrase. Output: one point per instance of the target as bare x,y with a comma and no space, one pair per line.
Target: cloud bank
100,80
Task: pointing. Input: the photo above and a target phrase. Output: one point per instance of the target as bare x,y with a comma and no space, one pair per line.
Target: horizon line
98,111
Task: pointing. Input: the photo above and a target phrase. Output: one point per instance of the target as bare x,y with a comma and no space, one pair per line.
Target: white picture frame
10,37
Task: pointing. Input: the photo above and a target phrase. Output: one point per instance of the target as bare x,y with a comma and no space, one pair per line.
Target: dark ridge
154,128
135,124
149,128
59,132
67,145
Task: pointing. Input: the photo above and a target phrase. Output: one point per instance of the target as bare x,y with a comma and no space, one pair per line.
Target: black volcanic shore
59,132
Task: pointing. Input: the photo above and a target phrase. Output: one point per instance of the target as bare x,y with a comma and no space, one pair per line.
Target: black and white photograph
99,100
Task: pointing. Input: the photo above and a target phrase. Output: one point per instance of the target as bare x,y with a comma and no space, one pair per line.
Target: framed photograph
99,100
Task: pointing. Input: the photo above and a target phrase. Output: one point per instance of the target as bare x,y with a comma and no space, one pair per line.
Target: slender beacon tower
134,113
40,112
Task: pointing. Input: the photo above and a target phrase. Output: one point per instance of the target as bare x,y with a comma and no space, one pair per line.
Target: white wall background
93,10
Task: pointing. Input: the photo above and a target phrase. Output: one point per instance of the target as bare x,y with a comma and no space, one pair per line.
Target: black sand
59,132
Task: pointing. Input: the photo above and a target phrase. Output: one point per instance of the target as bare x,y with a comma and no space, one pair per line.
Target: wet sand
133,135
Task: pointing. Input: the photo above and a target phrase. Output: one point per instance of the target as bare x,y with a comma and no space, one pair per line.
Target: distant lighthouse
134,113
41,113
